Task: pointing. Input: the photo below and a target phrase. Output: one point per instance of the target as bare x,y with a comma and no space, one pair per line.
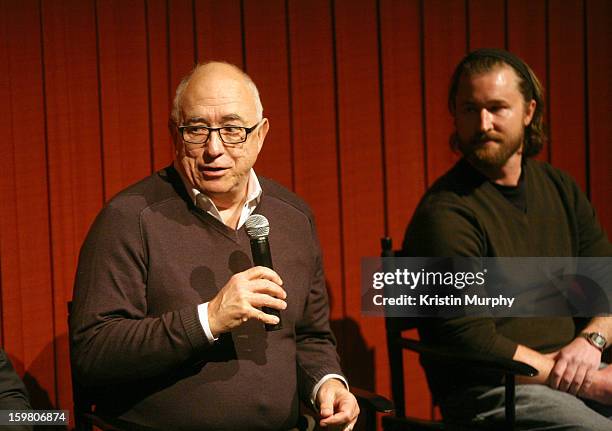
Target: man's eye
197,130
232,129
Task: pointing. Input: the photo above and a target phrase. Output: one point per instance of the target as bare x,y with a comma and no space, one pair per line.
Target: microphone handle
260,249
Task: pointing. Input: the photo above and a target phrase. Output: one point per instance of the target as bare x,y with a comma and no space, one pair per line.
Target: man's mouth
213,171
483,139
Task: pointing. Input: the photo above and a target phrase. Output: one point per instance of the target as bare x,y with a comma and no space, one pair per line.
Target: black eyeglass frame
211,130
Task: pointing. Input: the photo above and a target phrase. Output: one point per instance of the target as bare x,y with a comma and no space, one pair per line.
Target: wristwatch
596,339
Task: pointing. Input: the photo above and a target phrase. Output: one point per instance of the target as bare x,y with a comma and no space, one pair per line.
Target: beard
482,153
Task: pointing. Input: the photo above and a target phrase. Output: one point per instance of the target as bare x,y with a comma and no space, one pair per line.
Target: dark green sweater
149,259
463,214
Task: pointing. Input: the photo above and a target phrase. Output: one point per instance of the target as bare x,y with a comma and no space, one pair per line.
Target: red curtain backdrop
355,91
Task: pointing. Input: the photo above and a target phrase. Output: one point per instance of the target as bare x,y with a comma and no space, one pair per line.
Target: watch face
597,339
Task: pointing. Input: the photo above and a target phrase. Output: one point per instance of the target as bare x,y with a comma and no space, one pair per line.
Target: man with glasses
167,316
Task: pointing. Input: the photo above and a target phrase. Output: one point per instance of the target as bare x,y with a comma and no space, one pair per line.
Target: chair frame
397,343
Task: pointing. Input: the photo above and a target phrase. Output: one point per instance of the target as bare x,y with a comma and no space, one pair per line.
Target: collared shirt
252,200
206,204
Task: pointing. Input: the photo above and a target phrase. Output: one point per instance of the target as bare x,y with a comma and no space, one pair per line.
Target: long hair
535,132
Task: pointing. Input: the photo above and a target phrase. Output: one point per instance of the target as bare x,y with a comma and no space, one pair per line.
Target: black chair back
394,328
396,343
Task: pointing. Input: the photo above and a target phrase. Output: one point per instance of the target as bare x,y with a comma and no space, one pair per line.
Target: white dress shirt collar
206,204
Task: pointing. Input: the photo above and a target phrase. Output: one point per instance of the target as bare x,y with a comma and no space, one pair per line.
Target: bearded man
499,201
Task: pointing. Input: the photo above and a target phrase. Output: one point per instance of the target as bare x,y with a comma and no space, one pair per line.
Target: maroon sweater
149,259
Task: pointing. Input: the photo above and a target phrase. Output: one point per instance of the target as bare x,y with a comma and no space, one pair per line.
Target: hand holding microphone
252,294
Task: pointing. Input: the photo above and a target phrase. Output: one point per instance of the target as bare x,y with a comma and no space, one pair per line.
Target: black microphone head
257,226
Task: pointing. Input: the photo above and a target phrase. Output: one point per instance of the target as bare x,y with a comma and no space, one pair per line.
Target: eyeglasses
230,135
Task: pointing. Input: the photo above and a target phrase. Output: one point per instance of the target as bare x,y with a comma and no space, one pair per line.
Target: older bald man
167,324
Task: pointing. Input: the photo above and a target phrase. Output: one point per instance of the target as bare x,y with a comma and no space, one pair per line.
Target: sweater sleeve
112,338
13,394
316,345
447,229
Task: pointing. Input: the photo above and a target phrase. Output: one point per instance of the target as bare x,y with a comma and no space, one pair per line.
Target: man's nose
486,120
214,146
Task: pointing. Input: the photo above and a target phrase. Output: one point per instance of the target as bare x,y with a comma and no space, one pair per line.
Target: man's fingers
326,403
343,414
268,287
578,381
567,378
242,297
586,383
263,272
261,300
263,317
346,411
326,410
336,419
557,373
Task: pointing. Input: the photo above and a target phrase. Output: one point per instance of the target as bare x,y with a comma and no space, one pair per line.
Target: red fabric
181,40
124,95
486,24
160,92
73,154
566,100
219,31
444,33
27,293
361,180
315,151
265,30
404,149
356,96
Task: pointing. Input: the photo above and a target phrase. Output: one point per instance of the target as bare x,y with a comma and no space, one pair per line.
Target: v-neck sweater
463,214
149,259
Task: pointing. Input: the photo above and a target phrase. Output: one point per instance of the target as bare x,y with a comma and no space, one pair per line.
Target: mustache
484,137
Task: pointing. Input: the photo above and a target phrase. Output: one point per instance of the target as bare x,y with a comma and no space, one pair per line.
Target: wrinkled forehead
218,93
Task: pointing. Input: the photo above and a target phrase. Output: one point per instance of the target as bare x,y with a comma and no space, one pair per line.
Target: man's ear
529,111
262,131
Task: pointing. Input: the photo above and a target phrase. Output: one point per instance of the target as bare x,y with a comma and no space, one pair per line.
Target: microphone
258,228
